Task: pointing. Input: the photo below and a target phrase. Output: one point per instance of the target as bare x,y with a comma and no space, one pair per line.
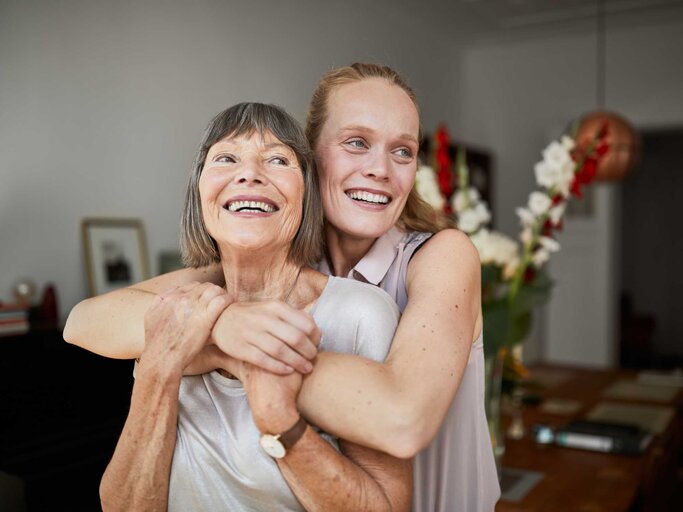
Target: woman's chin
364,228
250,246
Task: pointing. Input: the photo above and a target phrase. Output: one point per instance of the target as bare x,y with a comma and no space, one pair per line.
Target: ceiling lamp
622,138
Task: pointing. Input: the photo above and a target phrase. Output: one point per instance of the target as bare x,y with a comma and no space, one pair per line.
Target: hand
212,358
271,335
179,322
272,398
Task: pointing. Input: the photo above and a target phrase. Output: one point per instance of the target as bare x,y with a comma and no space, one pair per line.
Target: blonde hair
417,214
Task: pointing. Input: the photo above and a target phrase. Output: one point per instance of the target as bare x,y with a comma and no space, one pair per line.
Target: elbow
107,501
70,333
409,433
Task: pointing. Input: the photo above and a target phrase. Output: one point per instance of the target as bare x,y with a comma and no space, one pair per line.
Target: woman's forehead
262,140
375,104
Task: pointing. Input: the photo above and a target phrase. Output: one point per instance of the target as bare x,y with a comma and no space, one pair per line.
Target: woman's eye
225,159
278,160
357,143
404,153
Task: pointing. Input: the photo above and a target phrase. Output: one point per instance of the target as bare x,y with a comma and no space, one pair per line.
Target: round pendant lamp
622,138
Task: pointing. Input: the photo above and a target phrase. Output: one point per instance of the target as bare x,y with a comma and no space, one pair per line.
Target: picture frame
114,252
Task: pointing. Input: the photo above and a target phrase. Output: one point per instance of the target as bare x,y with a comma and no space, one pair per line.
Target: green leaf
490,275
496,322
519,328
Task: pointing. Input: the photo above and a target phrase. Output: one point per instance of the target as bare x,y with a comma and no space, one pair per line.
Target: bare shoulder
448,250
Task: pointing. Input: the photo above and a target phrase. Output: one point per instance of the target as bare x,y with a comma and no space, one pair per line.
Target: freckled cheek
335,168
210,186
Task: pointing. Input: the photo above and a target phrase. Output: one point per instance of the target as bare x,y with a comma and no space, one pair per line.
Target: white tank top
218,463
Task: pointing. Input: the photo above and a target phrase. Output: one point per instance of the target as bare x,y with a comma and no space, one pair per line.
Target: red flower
444,163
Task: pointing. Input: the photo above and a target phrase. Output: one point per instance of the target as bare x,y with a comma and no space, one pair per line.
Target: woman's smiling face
251,190
367,156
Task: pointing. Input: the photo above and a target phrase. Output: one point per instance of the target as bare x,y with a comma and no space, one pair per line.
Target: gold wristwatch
277,445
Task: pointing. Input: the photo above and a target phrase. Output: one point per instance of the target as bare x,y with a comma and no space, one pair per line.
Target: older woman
427,398
251,184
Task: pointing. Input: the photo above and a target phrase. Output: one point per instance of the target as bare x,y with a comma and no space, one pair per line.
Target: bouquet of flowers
513,276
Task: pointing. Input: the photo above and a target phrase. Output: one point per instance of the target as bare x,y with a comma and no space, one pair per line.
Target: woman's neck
344,251
250,277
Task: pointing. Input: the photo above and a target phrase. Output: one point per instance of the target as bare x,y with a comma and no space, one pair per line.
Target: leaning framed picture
115,253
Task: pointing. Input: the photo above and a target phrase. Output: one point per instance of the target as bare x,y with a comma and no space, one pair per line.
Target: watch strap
290,437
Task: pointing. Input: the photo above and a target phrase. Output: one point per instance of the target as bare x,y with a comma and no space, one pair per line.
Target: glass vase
492,397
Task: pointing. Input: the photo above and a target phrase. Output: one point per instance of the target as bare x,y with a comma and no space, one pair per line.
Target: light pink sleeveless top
457,471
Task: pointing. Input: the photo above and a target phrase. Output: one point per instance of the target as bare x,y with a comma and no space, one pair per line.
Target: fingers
295,338
298,319
276,349
261,359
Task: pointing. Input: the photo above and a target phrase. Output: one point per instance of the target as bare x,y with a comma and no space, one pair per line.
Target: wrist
161,371
220,327
278,421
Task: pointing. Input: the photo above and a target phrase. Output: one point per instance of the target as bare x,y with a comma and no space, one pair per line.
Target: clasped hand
196,328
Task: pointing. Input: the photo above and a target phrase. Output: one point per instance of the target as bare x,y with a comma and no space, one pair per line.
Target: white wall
516,97
103,103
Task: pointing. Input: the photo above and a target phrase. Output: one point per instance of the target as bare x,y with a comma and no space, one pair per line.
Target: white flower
567,142
510,269
469,221
540,257
526,236
496,248
539,203
525,216
428,188
482,212
556,212
464,199
556,155
549,244
546,175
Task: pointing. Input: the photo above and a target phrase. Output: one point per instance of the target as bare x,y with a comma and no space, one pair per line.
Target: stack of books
13,319
603,437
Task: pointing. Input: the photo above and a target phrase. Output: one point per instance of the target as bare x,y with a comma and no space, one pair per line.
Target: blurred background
102,105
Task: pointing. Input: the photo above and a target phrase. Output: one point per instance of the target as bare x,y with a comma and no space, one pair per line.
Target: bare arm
272,335
137,475
360,479
432,345
399,406
177,326
112,324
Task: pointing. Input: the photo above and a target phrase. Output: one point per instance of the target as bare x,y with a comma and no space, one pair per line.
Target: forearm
376,406
137,476
111,325
324,479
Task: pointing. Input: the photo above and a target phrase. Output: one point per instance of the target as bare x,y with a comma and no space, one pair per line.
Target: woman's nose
250,173
378,168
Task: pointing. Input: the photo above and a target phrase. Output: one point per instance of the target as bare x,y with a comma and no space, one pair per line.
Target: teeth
368,197
236,206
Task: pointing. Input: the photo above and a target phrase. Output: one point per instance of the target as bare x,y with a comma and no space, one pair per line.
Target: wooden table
579,480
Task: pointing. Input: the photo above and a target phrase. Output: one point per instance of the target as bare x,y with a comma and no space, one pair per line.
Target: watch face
272,446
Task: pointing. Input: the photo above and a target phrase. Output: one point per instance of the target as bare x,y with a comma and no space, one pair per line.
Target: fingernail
308,367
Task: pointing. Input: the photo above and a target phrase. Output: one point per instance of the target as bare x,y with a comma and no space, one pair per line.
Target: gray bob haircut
198,248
